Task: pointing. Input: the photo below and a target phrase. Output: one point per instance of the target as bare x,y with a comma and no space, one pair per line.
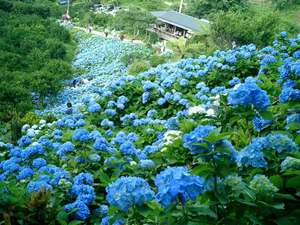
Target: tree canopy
203,8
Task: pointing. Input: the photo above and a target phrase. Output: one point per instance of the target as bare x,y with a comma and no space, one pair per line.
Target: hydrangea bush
201,141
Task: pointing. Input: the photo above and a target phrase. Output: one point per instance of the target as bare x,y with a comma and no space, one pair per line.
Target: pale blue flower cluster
249,94
128,191
177,182
290,163
195,136
255,153
262,185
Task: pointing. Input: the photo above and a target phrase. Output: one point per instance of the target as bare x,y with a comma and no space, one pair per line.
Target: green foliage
156,60
38,9
253,26
138,67
32,60
202,8
283,4
30,118
133,21
130,58
102,19
56,48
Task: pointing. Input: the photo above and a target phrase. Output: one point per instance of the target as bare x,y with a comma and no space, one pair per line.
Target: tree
258,27
133,21
203,8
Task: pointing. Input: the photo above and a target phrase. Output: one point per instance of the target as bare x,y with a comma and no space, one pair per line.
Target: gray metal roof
180,20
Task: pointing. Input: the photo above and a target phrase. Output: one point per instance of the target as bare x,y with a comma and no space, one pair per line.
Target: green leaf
277,181
244,201
223,169
62,222
286,221
201,170
104,178
116,173
285,196
233,120
266,115
293,182
297,139
62,215
203,210
294,126
255,220
167,211
118,216
221,136
144,210
204,145
276,205
74,222
73,210
112,210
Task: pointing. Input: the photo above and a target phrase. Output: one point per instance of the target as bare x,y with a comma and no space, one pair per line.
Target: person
114,32
70,109
122,37
233,44
106,32
74,83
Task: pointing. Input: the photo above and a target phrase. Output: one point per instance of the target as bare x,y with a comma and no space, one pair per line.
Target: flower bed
201,141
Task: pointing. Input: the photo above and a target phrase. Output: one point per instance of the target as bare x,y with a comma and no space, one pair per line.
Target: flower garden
211,140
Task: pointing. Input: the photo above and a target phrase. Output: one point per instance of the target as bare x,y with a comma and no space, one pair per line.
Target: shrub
156,60
138,67
30,118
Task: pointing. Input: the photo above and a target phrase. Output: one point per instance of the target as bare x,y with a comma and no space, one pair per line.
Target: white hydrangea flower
25,127
35,127
42,122
196,110
31,133
133,163
211,112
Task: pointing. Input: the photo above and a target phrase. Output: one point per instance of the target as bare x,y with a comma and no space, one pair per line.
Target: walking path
109,36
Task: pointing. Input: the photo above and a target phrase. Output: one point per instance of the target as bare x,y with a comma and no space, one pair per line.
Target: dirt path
109,36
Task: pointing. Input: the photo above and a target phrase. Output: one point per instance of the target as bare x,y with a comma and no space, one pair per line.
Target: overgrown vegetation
35,56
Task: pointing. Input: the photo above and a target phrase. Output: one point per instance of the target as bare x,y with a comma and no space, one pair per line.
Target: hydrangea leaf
144,210
277,181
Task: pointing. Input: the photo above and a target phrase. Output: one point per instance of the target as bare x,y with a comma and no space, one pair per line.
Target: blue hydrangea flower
39,162
262,185
94,157
83,177
83,211
80,123
146,163
27,172
194,136
175,182
65,148
247,94
94,108
25,140
184,82
81,135
101,144
36,185
290,163
128,191
260,123
85,193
